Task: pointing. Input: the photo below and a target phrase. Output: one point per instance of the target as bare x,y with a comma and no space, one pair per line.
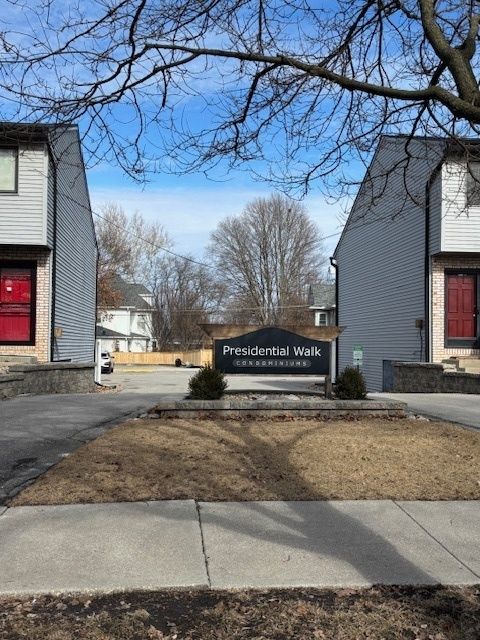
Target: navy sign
272,350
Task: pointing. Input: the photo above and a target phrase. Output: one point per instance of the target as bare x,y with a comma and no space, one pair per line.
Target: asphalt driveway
37,431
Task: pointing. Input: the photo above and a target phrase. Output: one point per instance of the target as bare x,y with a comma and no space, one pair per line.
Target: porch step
471,368
450,364
467,364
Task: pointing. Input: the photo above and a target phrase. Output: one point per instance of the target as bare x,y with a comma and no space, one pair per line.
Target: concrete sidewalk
181,543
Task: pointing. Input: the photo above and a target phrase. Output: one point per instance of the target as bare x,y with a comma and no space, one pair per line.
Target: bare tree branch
297,86
267,256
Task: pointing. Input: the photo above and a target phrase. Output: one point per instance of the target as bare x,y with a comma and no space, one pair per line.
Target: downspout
334,264
427,264
96,311
427,273
54,252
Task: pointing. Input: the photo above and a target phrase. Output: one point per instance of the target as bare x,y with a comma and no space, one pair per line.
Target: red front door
461,306
16,305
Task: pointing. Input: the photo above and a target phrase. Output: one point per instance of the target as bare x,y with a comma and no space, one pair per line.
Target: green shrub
350,385
207,384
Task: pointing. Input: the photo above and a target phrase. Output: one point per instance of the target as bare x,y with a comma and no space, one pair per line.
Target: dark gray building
48,251
408,260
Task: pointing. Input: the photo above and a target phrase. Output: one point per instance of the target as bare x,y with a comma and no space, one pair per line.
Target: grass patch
268,460
391,613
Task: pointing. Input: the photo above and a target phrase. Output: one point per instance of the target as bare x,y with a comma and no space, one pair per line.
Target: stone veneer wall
41,348
309,407
421,377
439,264
53,377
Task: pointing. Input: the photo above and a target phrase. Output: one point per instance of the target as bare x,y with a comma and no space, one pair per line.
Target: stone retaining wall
235,409
54,377
422,377
10,385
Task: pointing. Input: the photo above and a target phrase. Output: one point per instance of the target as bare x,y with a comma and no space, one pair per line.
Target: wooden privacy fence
198,358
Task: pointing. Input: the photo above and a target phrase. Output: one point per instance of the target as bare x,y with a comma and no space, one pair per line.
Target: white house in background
128,326
321,300
408,260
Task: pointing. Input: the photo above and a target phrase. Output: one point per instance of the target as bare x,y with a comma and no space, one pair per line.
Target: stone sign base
269,408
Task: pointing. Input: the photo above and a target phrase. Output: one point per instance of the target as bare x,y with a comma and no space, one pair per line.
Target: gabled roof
441,146
130,293
322,295
141,289
105,332
42,133
31,132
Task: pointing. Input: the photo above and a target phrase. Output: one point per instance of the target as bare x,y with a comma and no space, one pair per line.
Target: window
473,184
8,169
321,319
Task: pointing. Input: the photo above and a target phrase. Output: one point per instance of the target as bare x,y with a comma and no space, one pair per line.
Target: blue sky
190,207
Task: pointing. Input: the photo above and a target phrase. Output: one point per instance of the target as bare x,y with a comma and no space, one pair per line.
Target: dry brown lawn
268,460
388,613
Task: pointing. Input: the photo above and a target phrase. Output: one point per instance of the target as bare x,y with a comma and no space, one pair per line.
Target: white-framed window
321,319
473,184
8,169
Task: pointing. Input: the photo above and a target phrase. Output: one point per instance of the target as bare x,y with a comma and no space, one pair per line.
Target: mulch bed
389,613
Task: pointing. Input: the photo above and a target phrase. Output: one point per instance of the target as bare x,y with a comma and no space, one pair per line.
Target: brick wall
439,264
41,348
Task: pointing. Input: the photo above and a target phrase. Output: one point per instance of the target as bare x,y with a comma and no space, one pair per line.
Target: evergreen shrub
350,385
207,384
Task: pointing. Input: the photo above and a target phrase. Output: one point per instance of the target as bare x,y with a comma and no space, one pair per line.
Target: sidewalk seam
202,539
437,541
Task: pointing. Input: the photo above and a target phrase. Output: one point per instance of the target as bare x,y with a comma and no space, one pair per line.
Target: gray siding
50,202
381,260
460,223
23,214
75,254
436,212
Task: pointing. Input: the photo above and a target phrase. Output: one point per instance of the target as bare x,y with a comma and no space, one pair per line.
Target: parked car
106,362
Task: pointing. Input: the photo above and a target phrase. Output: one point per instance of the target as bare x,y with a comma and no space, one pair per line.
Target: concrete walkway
157,545
454,407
